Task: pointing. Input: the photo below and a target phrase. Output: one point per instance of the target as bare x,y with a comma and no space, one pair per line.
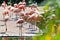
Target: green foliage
57,37
0,38
41,24
57,11
46,7
50,22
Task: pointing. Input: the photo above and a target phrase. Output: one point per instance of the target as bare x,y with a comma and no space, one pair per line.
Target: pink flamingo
11,11
32,19
15,5
5,20
4,4
5,13
16,11
20,21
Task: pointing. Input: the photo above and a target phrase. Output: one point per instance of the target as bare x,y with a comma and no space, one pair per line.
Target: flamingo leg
6,26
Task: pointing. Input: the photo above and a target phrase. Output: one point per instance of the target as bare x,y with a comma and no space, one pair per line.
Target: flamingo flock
25,14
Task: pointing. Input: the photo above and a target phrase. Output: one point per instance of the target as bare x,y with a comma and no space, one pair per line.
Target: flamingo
33,7
24,15
24,5
20,7
20,21
5,13
15,5
29,13
5,20
16,11
32,19
4,4
11,11
9,7
20,3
